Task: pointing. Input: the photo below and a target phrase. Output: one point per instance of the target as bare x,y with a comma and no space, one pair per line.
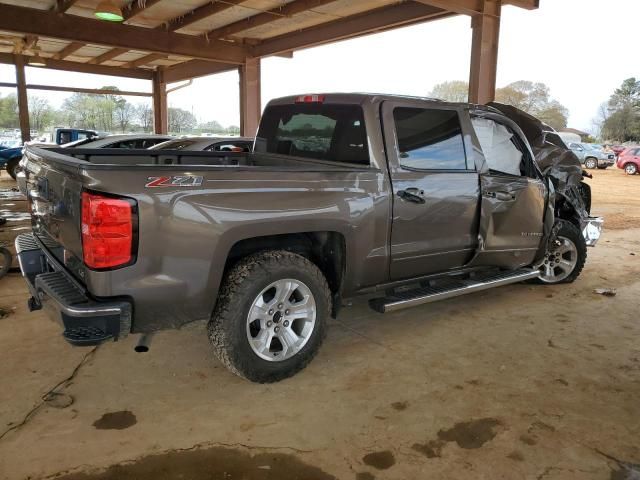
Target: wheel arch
326,249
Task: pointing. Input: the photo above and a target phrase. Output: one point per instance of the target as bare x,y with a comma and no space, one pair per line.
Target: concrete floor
519,382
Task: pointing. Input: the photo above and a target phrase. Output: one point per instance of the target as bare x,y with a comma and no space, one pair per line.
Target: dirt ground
519,382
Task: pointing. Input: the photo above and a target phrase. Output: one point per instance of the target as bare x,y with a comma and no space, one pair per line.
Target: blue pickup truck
10,155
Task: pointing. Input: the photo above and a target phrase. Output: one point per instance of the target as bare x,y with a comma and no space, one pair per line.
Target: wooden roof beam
136,8
7,58
289,10
526,4
464,7
380,19
205,11
61,6
194,69
79,29
68,50
147,59
108,55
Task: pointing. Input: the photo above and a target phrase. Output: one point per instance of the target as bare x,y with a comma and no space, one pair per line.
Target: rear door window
429,139
319,131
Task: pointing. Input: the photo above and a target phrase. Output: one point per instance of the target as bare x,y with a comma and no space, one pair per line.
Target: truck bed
112,158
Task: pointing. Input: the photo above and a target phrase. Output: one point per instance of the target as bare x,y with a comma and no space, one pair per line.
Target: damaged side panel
511,220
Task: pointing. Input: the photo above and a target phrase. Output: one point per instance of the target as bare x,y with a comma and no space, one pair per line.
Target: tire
630,169
12,167
590,163
5,261
246,290
567,236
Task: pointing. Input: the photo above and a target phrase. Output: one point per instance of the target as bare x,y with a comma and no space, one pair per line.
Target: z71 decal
175,181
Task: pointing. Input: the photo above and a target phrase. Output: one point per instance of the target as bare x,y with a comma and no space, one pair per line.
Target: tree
211,126
123,113
451,91
41,114
535,99
9,111
181,120
554,114
623,121
144,116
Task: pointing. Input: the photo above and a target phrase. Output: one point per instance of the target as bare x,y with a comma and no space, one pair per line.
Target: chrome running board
451,288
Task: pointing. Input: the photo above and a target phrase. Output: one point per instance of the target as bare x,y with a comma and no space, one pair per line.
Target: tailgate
53,187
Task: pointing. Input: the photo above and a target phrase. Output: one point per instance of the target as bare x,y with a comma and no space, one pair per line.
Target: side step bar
453,288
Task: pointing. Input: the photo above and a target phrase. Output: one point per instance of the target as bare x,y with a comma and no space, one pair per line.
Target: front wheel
591,163
271,315
630,169
565,256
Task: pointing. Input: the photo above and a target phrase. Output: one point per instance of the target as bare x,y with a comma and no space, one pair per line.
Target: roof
197,37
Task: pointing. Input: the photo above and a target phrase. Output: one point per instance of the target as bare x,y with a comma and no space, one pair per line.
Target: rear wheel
271,316
565,257
591,163
12,167
630,169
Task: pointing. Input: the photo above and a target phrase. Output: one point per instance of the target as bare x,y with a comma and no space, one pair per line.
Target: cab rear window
324,132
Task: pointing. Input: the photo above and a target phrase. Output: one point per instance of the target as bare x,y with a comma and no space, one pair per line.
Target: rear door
435,189
514,195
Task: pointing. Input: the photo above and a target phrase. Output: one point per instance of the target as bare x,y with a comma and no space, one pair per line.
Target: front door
514,197
436,190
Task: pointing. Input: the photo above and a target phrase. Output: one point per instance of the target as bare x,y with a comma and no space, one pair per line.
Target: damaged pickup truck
406,200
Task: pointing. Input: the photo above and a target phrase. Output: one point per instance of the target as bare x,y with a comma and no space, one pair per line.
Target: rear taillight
107,231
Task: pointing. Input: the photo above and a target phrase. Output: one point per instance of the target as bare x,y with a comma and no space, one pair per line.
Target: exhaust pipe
143,343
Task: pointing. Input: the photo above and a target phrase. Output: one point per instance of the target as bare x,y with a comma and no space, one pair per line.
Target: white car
129,141
208,144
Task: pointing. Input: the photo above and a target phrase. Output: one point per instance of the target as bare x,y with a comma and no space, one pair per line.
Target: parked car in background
60,136
592,155
629,160
129,141
208,144
9,159
10,143
618,149
12,157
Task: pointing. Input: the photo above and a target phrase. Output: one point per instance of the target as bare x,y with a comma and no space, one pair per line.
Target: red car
629,160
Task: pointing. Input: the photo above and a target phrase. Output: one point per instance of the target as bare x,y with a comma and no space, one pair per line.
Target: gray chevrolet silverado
406,200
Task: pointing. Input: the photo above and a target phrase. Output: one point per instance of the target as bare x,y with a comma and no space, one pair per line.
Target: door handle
412,195
503,196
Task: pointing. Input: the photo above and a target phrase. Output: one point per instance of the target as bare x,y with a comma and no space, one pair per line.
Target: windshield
10,143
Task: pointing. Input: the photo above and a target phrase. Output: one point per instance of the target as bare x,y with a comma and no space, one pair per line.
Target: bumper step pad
449,288
87,320
81,336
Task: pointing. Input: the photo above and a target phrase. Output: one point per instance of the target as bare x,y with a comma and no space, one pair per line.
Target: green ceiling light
109,11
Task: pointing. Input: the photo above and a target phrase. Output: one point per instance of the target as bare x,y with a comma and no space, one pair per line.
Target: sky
582,49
